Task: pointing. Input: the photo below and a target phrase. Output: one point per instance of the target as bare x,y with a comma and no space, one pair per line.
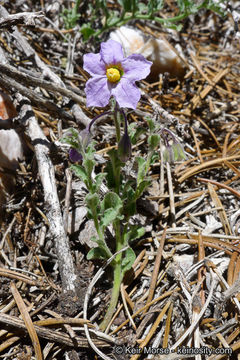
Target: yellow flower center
113,74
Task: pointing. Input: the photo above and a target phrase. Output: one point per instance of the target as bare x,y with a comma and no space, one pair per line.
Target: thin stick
126,307
171,196
27,320
198,318
68,173
156,270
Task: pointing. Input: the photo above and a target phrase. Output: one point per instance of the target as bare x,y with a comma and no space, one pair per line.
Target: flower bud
74,155
173,153
124,148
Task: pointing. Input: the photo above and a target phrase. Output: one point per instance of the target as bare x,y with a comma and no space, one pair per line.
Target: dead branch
39,81
51,335
47,175
39,101
27,18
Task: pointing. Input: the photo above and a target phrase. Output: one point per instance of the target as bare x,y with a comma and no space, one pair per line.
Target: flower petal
136,67
97,91
111,52
126,93
93,64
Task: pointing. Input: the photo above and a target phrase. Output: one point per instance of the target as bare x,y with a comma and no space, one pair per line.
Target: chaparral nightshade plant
114,75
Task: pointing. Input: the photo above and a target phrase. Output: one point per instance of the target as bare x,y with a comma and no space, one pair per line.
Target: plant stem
76,6
116,123
115,293
97,117
120,22
117,278
117,264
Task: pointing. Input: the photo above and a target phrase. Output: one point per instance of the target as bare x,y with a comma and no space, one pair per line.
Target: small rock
159,51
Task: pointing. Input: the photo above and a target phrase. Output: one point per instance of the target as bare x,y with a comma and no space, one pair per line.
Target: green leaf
130,209
218,6
110,176
154,5
97,253
135,132
126,5
112,200
101,251
80,172
92,201
153,141
98,181
128,260
70,18
87,31
141,187
188,6
71,137
178,152
109,216
113,167
89,165
151,124
134,233
113,154
94,239
100,4
141,169
141,7
128,192
111,209
112,20
170,25
128,197
173,153
154,158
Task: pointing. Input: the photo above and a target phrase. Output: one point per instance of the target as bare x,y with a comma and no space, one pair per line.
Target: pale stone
159,51
10,149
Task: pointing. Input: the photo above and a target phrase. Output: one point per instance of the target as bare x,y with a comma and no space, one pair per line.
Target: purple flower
114,75
74,155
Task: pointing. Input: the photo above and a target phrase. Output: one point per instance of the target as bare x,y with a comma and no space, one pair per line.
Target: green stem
100,233
120,22
76,6
116,168
115,293
116,123
117,278
125,18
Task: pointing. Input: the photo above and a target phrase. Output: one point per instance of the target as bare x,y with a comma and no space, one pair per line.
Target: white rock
159,51
184,261
10,149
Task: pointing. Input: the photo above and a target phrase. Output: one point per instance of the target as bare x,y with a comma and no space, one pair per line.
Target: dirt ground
181,298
